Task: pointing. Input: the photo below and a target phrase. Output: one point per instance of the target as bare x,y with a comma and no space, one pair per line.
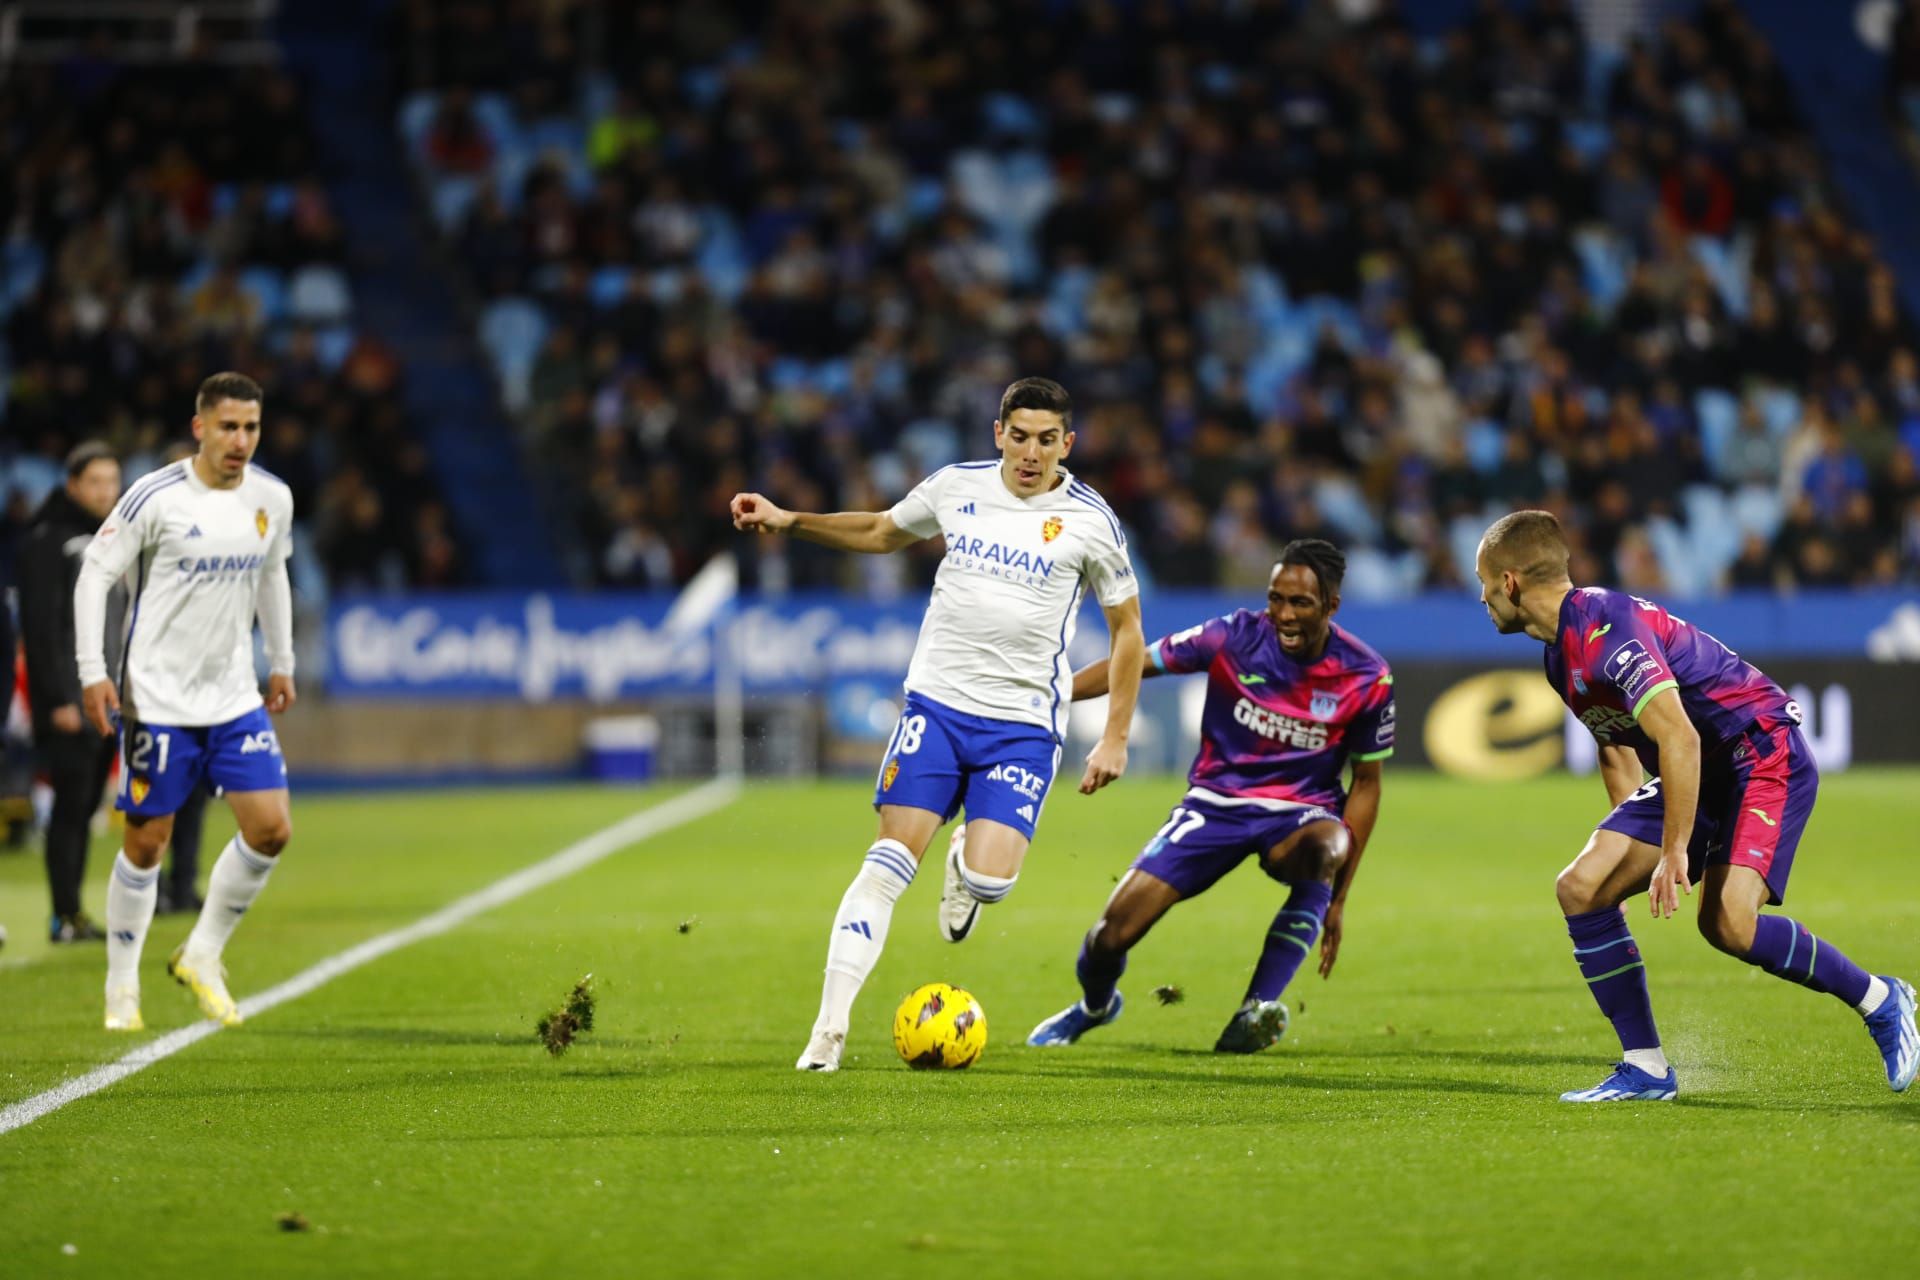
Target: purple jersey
1614,652
1274,729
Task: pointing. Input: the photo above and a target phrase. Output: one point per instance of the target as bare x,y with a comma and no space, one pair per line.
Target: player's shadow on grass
428,1036
1300,1075
1897,1110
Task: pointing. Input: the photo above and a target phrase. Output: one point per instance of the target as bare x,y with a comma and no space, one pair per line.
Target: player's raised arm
1126,653
872,532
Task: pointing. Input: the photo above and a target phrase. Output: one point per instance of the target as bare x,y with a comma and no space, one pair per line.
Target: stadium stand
168,222
1301,276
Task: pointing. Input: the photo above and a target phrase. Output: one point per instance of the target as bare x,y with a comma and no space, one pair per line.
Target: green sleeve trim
1650,694
1375,755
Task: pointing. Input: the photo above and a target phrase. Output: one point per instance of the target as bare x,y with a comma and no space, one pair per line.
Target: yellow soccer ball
940,1027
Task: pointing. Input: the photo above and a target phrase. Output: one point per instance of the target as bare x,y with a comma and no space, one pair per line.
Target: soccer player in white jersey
988,687
205,541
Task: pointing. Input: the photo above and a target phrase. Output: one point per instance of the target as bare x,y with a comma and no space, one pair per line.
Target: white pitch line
630,830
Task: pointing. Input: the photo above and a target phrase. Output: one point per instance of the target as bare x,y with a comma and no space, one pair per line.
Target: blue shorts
1202,841
940,759
161,764
1755,798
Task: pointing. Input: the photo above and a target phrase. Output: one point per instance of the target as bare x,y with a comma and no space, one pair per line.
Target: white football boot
958,907
123,1007
822,1052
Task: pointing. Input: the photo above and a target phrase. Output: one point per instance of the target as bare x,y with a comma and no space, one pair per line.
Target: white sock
238,876
131,894
860,930
1877,991
984,887
1652,1061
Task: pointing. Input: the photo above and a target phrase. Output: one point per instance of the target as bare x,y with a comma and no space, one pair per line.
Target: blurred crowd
161,224
1302,275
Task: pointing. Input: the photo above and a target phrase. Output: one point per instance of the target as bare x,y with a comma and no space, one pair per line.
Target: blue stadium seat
1010,115
1726,265
1685,574
1719,415
23,263
332,345
415,118
1486,445
1758,509
608,286
1781,409
269,290
512,330
452,195
1603,265
319,295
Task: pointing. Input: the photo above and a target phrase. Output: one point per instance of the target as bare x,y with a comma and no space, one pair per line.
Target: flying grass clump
1169,994
574,1017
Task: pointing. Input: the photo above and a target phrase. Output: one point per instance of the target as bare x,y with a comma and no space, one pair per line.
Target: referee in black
75,758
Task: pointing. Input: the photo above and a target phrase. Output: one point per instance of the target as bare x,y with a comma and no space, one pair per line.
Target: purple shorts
1202,841
1755,799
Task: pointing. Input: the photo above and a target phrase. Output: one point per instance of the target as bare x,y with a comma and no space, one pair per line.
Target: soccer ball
940,1027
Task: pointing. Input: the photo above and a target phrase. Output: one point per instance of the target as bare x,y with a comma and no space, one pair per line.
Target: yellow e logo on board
1500,726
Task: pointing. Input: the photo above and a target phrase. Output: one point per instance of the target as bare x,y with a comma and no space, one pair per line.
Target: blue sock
1615,974
1290,939
1787,949
1099,973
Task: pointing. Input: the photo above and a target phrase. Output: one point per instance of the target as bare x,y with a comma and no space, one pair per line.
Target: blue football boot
1072,1022
1892,1028
1629,1083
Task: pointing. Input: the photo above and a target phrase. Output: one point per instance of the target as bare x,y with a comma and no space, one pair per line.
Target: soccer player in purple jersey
1291,700
1731,788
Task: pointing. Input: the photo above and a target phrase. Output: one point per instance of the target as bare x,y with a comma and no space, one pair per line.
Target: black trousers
76,765
183,847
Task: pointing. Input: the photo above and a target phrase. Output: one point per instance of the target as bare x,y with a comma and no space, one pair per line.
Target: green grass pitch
1406,1126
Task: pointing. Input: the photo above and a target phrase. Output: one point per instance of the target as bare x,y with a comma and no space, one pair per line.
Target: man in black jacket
75,758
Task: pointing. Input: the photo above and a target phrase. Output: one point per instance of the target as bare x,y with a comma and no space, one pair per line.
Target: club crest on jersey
260,521
1323,705
138,789
888,774
1051,529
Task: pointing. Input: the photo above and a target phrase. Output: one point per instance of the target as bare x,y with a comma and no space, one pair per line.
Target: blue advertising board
540,647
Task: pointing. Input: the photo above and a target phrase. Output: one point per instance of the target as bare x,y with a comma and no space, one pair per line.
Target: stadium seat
319,295
512,330
269,290
1603,265
452,195
1719,415
1758,509
1486,445
1781,409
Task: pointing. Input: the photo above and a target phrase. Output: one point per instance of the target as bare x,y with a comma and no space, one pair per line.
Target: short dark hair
85,454
226,386
1038,393
1531,543
1328,562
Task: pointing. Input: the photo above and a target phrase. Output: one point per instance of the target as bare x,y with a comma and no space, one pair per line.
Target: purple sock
1787,949
1290,939
1099,973
1616,975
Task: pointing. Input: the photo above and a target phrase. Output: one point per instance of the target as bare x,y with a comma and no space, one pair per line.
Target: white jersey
196,557
1007,595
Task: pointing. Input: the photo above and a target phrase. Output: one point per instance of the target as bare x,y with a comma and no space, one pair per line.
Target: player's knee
1114,934
1576,891
144,843
1727,929
269,837
1320,856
